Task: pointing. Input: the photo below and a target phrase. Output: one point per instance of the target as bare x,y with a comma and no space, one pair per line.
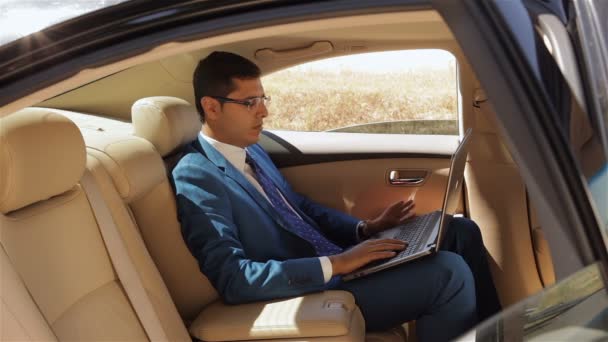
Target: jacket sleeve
205,213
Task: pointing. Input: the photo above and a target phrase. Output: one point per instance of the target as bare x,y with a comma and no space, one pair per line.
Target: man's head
230,98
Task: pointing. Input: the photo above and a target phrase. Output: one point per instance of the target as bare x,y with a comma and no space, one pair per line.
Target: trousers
446,293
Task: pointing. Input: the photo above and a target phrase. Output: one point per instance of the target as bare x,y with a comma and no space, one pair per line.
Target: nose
262,110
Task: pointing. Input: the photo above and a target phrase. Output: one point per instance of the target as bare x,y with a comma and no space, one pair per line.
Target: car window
593,42
562,312
574,309
580,126
411,92
18,18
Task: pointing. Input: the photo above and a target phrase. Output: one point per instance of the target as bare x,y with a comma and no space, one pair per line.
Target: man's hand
364,253
393,215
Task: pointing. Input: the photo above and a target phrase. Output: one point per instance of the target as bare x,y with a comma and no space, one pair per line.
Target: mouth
259,127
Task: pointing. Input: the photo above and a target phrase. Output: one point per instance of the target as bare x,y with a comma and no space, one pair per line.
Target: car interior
93,154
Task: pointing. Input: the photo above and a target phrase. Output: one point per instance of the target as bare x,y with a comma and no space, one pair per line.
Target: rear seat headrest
42,154
167,122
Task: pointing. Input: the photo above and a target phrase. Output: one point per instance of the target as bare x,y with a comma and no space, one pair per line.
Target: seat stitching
8,308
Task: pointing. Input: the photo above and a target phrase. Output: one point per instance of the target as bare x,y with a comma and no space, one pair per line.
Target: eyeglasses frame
249,103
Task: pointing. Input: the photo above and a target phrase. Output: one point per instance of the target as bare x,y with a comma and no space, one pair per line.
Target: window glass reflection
18,18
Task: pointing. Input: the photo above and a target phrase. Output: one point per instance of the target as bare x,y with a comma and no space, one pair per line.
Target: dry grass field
396,102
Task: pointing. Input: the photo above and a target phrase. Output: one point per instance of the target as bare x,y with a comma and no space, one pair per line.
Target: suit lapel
230,171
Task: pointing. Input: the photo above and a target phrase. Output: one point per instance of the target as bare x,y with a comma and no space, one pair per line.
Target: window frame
458,112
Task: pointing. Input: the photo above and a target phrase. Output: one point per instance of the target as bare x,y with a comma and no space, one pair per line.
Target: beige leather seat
55,255
521,261
134,184
21,319
137,182
169,123
124,169
53,242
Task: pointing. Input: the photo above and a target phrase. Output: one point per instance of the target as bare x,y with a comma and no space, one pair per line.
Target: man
256,239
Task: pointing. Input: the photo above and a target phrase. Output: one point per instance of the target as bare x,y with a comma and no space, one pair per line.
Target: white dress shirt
236,156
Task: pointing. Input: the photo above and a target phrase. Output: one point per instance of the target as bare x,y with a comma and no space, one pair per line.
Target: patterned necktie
296,224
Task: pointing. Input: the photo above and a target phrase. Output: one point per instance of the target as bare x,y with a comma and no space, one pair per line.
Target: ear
212,107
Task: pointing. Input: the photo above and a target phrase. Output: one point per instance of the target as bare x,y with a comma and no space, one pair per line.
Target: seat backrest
50,235
108,171
521,260
21,319
165,124
127,168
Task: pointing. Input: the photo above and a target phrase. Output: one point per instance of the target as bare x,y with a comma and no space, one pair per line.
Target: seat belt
125,269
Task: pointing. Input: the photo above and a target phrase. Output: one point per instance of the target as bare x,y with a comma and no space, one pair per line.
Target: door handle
395,179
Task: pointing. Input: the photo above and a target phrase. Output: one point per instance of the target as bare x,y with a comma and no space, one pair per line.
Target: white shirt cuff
327,268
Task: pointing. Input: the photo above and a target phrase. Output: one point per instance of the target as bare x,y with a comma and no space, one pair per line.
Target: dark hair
214,75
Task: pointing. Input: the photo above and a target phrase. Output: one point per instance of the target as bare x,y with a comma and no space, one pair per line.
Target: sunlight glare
27,20
19,18
279,317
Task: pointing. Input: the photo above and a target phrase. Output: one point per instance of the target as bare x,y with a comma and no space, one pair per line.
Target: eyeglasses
251,103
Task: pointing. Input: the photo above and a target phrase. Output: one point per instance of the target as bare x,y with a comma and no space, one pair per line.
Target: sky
19,18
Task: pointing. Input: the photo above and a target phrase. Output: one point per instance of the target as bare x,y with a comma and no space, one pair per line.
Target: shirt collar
234,154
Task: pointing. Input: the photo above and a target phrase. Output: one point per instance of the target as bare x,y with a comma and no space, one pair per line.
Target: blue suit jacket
241,243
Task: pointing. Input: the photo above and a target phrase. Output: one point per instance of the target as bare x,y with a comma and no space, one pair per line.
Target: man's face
234,123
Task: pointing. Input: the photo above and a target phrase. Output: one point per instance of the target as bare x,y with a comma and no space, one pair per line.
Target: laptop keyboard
414,233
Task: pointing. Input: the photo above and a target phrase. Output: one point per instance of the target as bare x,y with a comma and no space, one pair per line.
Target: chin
248,142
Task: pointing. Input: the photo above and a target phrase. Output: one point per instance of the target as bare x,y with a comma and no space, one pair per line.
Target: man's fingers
387,247
408,215
406,211
408,207
382,255
385,241
407,203
396,207
390,246
397,204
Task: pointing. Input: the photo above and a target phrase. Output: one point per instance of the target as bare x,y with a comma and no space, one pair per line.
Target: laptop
423,233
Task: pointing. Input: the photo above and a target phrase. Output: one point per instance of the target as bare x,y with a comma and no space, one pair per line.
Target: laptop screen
455,180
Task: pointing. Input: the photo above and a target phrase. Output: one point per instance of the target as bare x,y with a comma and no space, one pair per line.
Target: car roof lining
398,30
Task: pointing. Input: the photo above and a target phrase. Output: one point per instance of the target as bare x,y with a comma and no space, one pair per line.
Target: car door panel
361,188
352,175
